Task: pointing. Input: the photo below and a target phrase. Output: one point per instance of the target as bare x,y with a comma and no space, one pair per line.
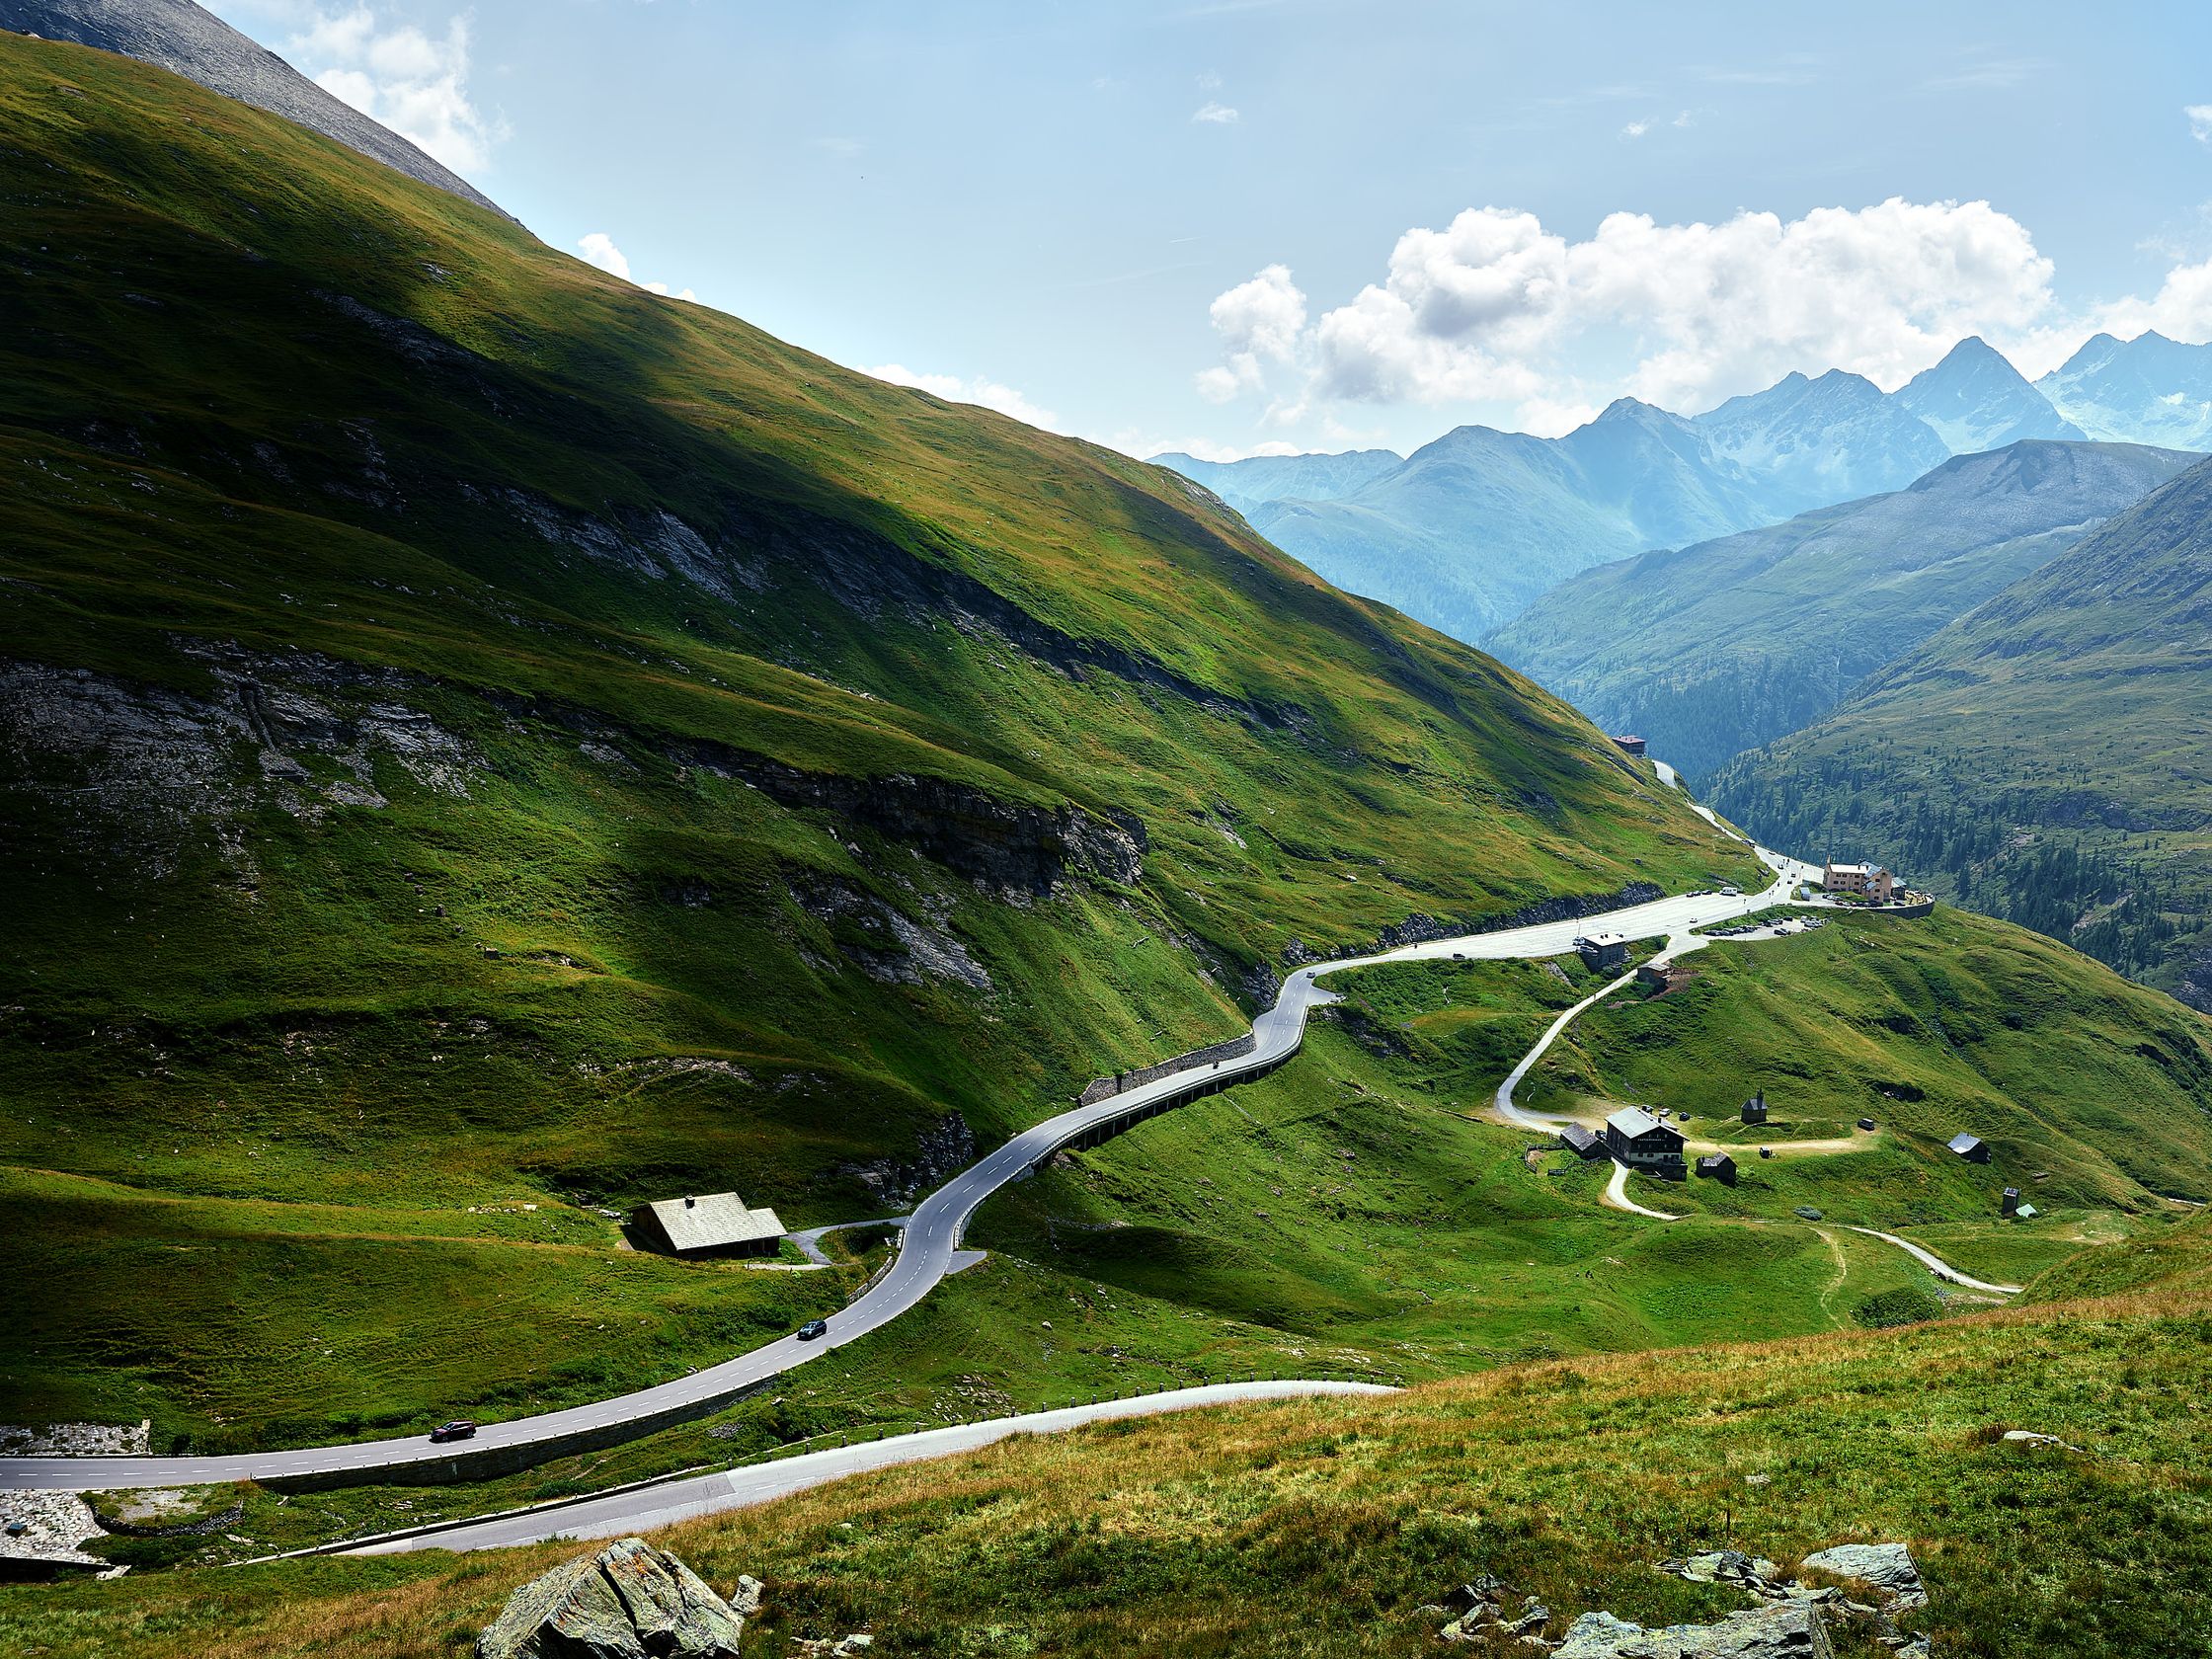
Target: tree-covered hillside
1709,650
2043,758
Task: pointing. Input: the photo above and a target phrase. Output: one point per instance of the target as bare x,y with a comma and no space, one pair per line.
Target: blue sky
1295,223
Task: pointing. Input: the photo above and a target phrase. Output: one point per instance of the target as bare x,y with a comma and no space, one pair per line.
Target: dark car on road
460,1428
814,1328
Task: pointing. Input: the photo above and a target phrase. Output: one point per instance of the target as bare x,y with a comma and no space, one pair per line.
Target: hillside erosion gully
930,1251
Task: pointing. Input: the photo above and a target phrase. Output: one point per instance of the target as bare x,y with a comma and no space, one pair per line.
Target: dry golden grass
1319,1527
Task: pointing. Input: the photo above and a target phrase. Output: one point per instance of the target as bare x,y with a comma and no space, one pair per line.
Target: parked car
1865,1123
460,1428
814,1328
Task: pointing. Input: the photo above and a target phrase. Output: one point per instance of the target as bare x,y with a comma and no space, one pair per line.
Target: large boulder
1784,1631
630,1601
1888,1567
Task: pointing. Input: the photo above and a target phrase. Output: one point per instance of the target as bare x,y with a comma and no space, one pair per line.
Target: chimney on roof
691,1203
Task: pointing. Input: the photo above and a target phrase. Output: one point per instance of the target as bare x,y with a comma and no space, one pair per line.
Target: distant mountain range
1472,527
1708,650
2145,390
1471,531
1247,484
2047,757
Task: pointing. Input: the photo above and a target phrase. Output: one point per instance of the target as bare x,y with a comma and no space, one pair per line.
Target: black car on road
460,1428
814,1328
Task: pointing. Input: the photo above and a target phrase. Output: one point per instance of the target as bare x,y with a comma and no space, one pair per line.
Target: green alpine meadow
1227,831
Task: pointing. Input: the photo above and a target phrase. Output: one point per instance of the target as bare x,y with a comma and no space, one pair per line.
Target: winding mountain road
930,1249
1939,1267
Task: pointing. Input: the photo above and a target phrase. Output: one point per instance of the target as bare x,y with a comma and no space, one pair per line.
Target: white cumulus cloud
1258,321
597,247
2199,118
1491,307
990,394
2182,309
1215,114
415,83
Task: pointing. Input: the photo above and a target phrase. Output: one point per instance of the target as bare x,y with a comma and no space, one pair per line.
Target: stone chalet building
1869,881
709,1224
1603,950
1641,1141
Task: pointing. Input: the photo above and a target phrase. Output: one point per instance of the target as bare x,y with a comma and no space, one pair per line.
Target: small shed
2010,1203
1970,1147
1755,1109
1717,1166
1641,1141
1631,743
1581,1142
710,1224
1604,950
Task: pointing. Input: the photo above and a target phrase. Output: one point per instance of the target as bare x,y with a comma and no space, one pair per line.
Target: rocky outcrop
630,1601
1795,1621
77,1439
942,1149
1786,1631
1754,1574
1887,1568
887,944
1014,849
1484,1617
293,729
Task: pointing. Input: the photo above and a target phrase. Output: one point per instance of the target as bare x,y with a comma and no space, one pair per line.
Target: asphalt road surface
930,1249
710,1495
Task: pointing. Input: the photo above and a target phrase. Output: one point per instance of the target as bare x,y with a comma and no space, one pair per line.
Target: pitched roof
1716,1160
713,1221
1575,1135
1964,1142
1633,1121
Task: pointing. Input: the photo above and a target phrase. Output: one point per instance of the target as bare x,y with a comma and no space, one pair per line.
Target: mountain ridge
1976,400
1712,649
1471,554
2041,756
189,41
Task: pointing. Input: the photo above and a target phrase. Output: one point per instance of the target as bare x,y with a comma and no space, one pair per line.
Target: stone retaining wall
1237,1048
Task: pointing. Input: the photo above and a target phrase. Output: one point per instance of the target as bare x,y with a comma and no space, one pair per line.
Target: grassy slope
1353,1204
383,588
1235,1237
1322,1528
2041,759
1929,1027
1711,649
